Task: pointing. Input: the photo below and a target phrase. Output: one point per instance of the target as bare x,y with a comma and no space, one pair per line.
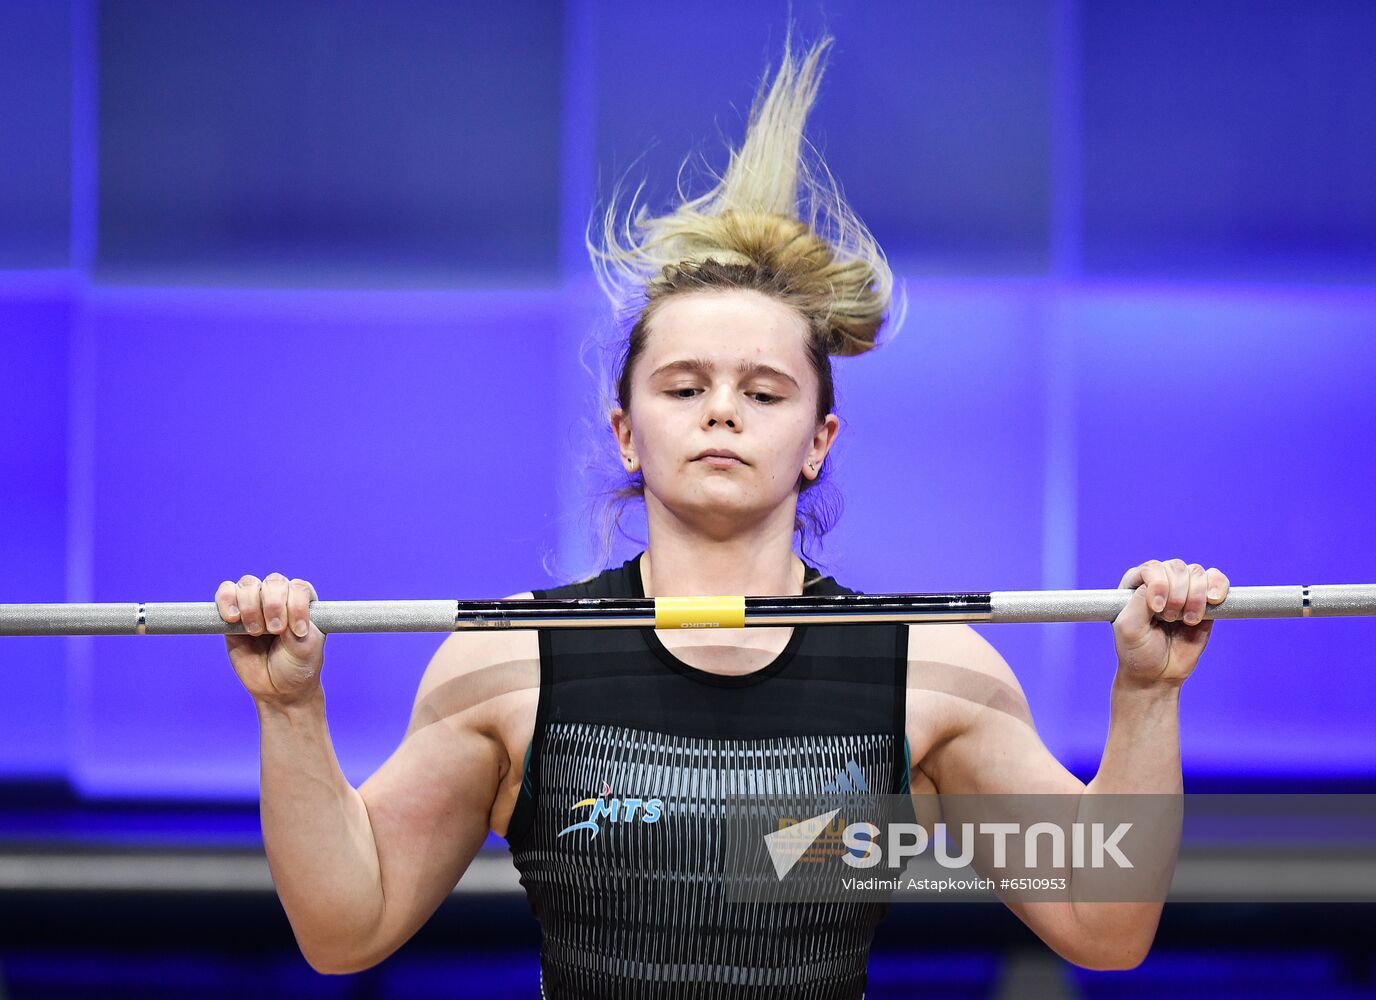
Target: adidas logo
850,781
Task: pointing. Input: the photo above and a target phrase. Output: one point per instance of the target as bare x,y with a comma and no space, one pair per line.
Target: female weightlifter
733,303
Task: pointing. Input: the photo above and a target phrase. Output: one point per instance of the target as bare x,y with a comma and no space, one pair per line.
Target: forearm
1142,754
317,836
1142,760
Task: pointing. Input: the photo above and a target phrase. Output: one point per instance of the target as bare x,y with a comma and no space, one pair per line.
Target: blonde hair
770,210
773,222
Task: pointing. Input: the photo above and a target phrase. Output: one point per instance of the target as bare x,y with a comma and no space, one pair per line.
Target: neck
756,563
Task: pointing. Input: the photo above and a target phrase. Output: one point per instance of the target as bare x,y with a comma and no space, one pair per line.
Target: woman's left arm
996,753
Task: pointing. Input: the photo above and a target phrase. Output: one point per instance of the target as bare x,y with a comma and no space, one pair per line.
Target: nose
721,408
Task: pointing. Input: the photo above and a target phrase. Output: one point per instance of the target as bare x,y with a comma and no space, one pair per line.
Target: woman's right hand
279,660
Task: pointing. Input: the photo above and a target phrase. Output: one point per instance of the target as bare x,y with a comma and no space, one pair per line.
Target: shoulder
958,644
961,671
472,669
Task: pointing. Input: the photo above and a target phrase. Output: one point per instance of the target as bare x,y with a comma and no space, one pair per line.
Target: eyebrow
703,366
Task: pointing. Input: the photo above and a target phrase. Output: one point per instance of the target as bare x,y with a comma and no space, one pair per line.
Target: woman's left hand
1163,650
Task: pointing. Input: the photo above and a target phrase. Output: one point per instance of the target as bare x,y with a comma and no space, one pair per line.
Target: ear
621,428
821,443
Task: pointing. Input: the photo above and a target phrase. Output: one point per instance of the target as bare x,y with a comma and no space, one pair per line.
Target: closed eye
763,398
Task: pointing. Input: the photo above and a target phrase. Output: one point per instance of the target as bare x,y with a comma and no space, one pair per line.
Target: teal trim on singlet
907,765
526,788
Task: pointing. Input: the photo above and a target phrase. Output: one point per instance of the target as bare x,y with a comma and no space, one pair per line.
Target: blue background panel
1230,140
35,133
284,144
33,521
1233,427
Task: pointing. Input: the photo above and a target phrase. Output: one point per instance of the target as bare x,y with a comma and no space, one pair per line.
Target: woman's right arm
358,871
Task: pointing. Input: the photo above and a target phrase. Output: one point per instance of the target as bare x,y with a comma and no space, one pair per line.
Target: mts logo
611,809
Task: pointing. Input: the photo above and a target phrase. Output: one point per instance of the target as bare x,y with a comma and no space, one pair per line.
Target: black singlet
636,909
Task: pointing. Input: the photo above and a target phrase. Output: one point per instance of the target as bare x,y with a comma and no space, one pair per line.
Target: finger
275,602
1132,579
1135,618
1134,628
299,598
1158,584
1197,595
1179,575
1218,585
227,601
248,591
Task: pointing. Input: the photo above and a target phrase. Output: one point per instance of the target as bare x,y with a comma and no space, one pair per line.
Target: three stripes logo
849,781
817,838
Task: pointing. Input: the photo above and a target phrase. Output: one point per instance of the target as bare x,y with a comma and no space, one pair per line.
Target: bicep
430,803
992,767
990,745
428,806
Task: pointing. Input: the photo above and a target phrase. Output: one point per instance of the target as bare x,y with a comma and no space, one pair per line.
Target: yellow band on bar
699,612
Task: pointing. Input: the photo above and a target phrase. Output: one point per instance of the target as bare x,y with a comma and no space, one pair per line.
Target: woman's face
724,371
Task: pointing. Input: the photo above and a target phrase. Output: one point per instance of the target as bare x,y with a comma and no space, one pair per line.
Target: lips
719,453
